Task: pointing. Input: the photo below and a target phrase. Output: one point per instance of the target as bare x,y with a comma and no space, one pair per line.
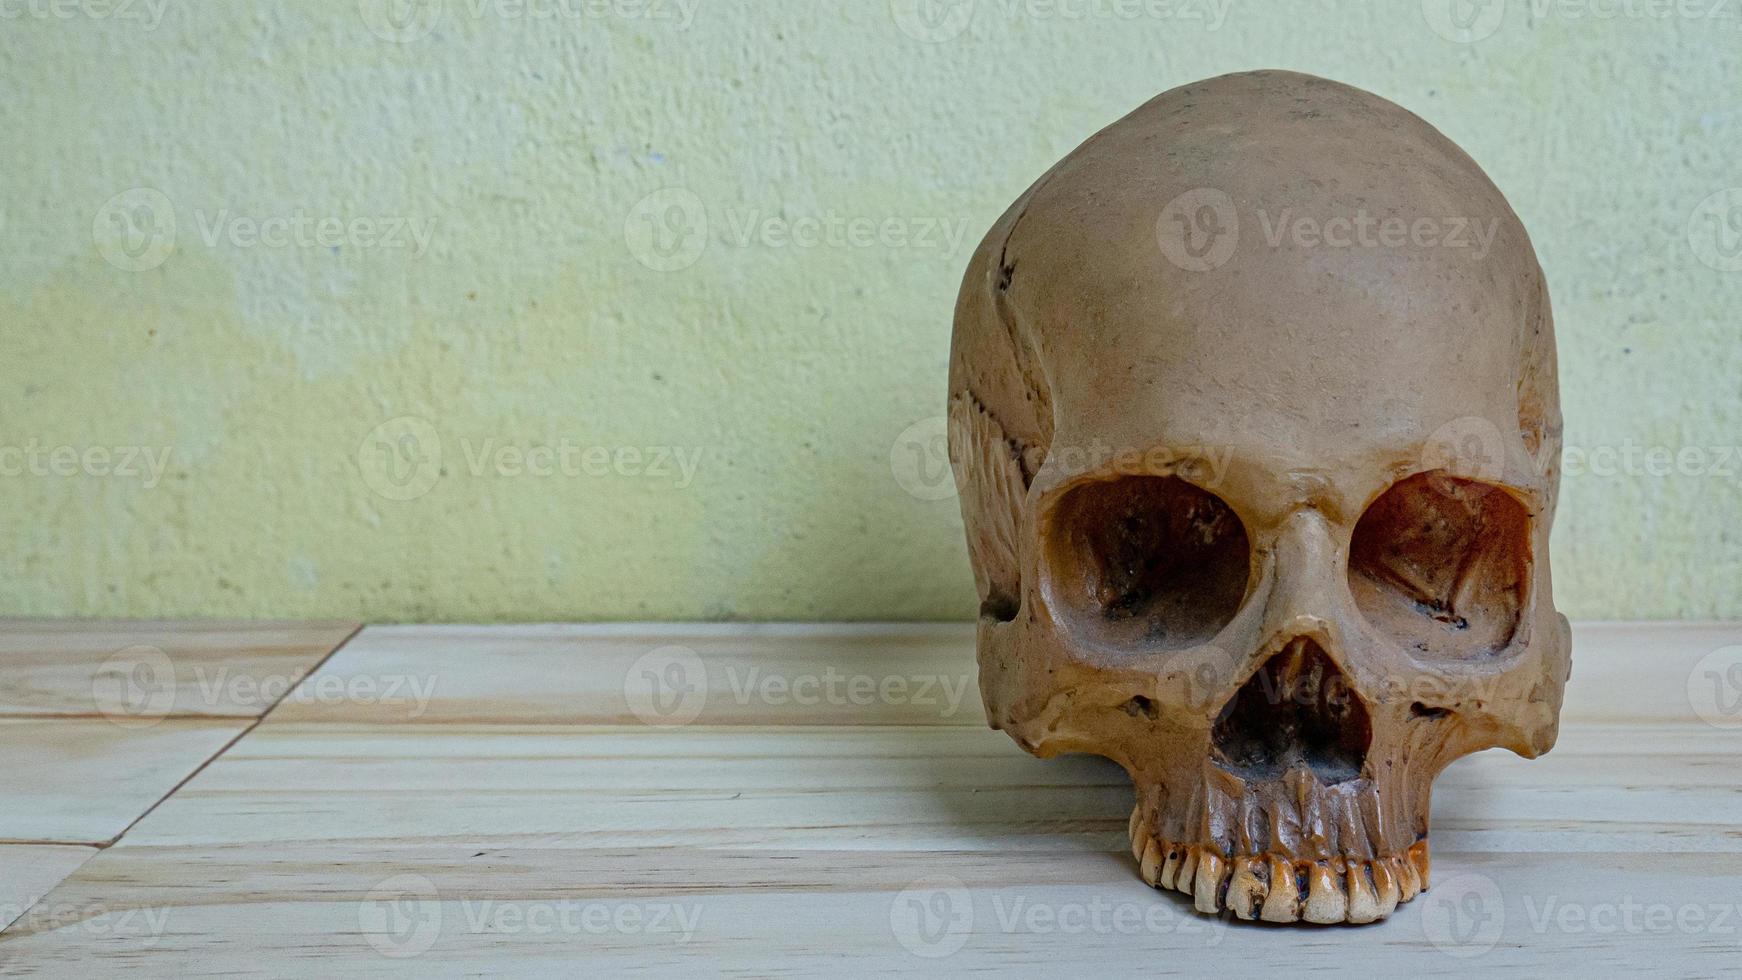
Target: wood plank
1656,671
464,910
833,674
824,787
30,871
84,780
155,670
507,807
825,674
919,787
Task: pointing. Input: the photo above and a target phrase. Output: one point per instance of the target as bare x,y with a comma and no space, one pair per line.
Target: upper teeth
1276,888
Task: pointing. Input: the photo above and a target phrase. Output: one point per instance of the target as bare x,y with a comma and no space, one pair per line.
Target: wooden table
192,799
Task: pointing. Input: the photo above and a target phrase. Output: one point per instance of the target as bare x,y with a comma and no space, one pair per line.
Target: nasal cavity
1298,710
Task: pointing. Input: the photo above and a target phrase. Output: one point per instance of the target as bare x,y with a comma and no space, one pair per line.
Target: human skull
1255,422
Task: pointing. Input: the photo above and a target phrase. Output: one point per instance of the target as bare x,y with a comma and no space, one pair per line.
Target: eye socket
1441,565
1147,560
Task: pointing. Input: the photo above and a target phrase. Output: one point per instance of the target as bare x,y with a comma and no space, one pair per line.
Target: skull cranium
1257,456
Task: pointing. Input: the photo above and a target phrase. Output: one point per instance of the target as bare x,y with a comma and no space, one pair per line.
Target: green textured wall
478,310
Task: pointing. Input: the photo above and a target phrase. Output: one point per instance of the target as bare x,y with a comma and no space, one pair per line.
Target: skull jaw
1274,888
1285,849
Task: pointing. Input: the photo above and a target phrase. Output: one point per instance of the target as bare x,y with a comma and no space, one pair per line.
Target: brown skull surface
1254,416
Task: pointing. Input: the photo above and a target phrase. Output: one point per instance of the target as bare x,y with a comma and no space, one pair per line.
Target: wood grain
1627,672
467,911
917,787
84,780
100,720
496,785
30,871
216,669
517,812
781,674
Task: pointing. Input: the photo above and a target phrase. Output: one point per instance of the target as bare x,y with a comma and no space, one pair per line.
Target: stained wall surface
582,309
